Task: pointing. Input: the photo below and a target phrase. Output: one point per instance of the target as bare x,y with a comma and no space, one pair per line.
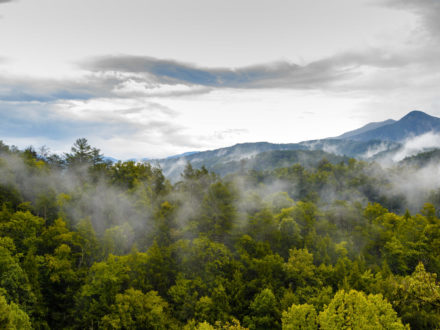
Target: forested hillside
87,244
264,156
386,142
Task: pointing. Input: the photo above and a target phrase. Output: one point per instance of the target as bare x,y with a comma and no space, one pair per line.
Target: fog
77,196
415,145
129,213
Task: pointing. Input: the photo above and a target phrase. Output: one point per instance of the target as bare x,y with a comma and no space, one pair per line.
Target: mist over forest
325,242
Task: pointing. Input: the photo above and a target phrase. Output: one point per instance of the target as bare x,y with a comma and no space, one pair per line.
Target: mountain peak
416,114
414,123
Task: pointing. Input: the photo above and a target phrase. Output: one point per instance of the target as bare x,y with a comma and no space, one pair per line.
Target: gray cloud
142,76
281,74
93,85
174,72
428,10
24,89
128,76
4,1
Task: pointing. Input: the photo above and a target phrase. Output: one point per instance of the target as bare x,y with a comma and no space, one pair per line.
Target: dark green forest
90,244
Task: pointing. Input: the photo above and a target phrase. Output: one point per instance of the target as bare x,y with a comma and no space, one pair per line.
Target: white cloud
415,145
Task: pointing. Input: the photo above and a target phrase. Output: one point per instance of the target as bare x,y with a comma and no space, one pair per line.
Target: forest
90,244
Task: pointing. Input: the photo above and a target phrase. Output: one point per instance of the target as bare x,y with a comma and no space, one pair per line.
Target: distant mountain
264,155
413,124
110,159
189,153
350,148
375,141
173,166
366,128
266,160
137,160
269,160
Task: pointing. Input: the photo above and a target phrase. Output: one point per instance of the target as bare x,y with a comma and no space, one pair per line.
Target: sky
141,78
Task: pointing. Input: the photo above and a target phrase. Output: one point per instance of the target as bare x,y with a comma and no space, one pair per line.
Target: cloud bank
127,98
282,74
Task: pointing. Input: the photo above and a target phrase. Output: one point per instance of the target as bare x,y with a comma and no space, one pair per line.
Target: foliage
12,317
87,244
300,317
136,310
355,310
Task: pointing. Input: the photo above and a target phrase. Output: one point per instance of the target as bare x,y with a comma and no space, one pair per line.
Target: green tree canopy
355,310
12,317
302,317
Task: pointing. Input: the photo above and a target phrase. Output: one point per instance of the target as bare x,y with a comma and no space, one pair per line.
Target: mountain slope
379,140
270,160
413,124
173,166
366,128
231,159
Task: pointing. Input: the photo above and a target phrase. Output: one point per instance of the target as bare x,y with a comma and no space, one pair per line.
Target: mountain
269,160
264,155
363,129
413,124
350,148
265,160
110,159
374,141
183,155
173,166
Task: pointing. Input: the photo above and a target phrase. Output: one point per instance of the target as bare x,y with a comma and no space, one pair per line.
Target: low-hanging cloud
104,204
415,145
416,184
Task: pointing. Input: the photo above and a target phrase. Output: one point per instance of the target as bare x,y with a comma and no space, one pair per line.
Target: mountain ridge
412,124
365,128
373,141
218,159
